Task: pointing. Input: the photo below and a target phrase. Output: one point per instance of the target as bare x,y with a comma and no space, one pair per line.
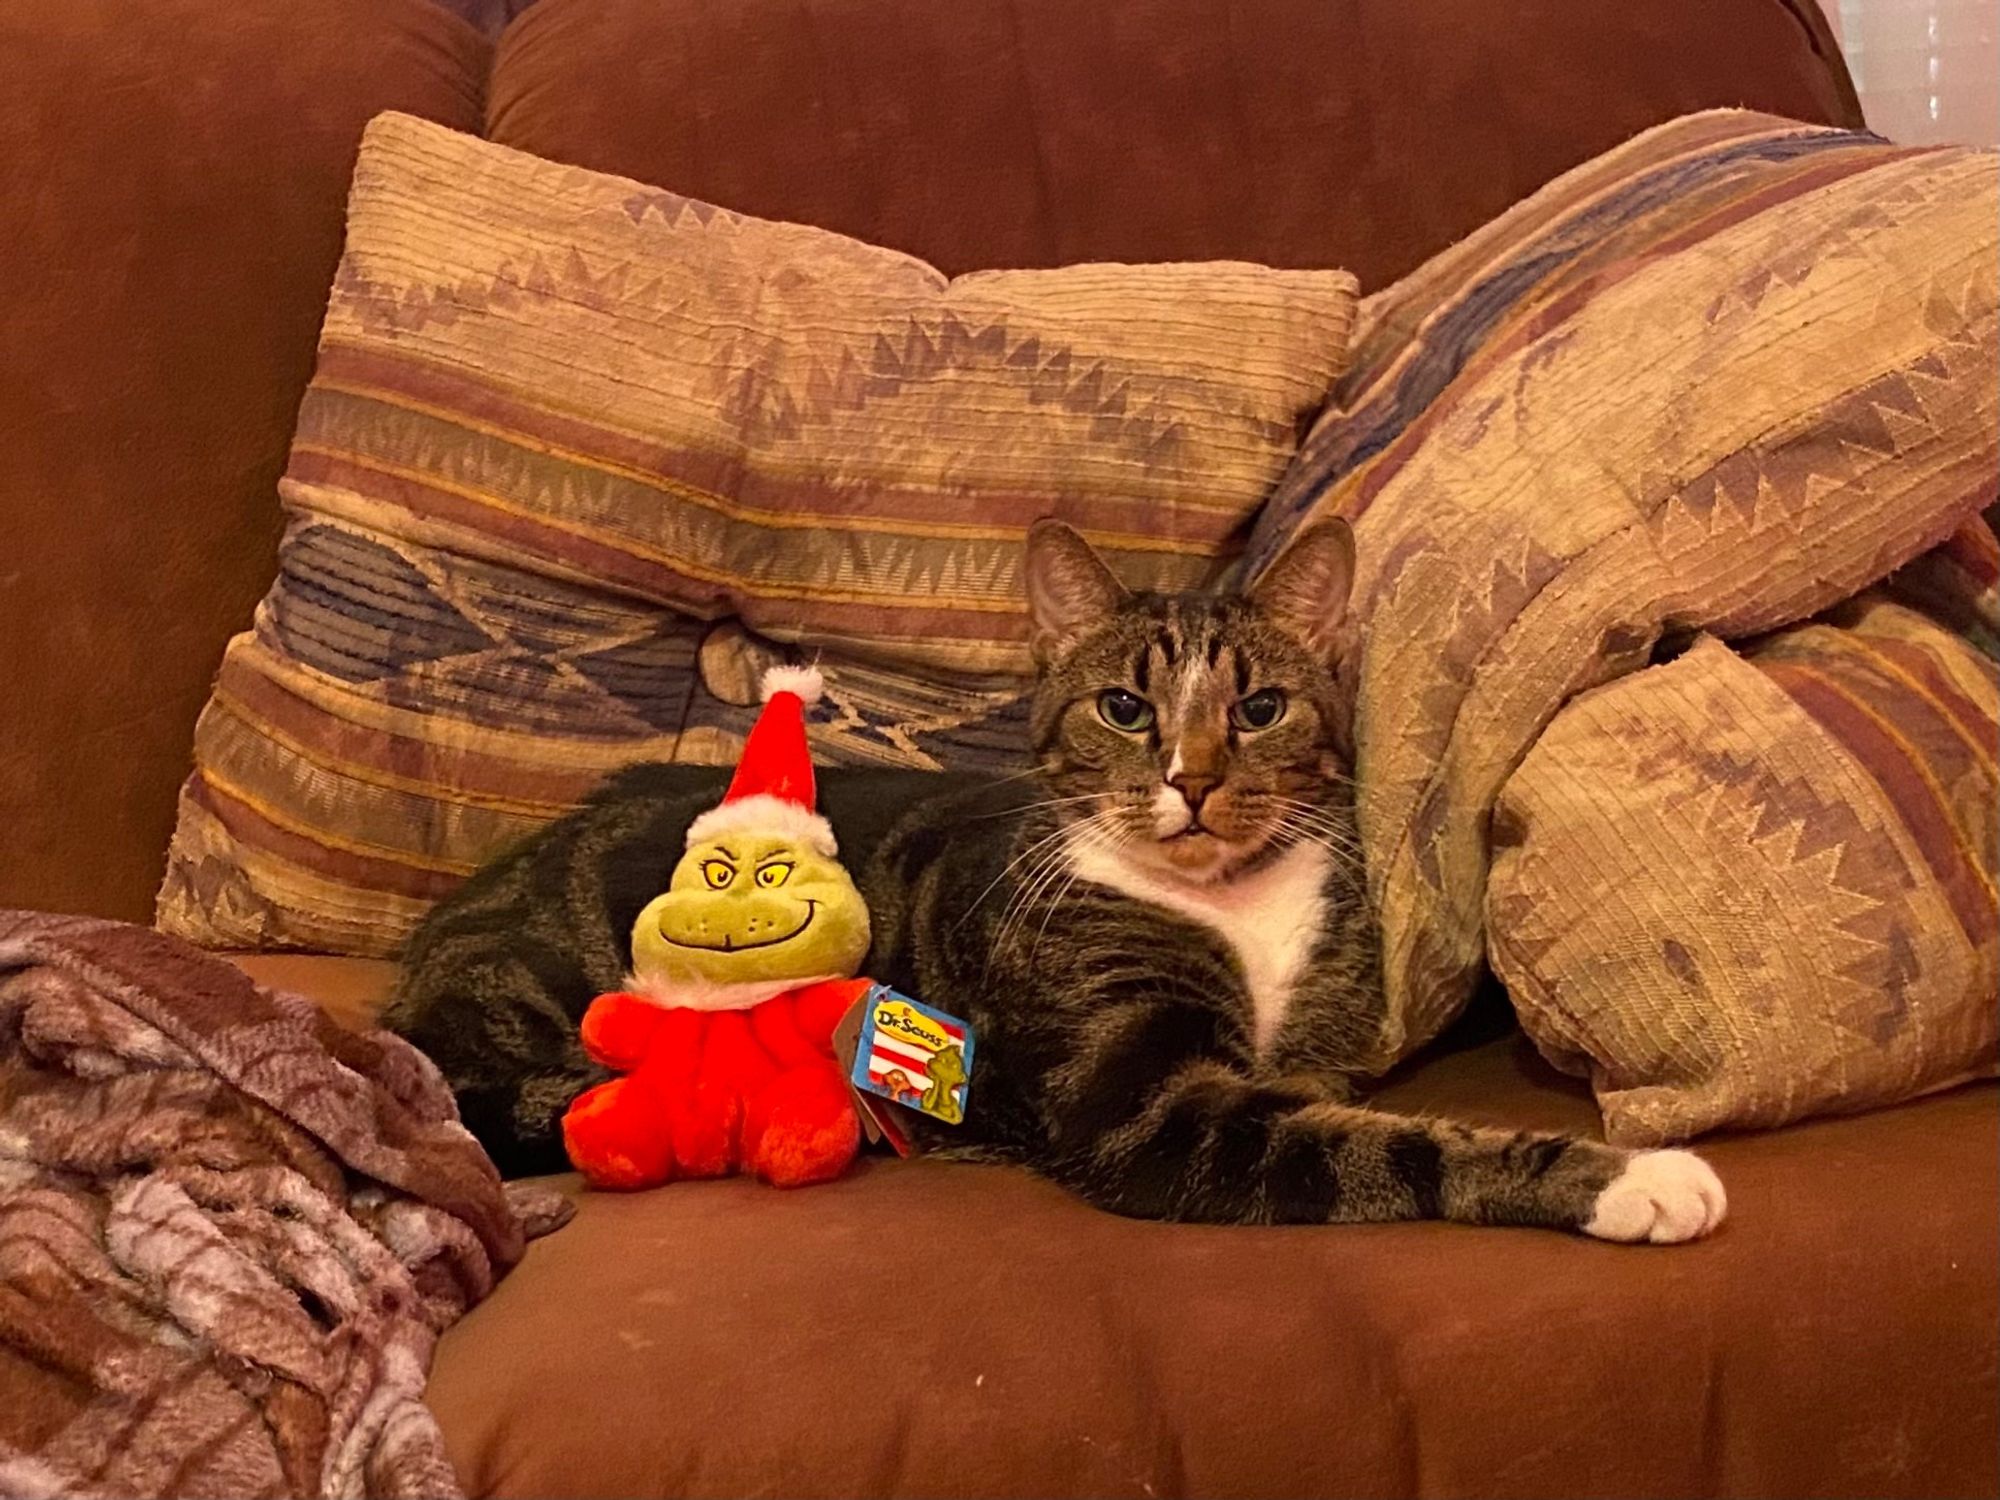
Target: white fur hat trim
764,813
805,681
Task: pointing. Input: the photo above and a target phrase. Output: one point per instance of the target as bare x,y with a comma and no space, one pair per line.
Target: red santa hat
772,790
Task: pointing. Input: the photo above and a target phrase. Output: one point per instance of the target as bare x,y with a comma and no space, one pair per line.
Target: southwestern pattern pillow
1719,380
1742,889
580,454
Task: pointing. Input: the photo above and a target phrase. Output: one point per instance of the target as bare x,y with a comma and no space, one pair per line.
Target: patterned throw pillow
1719,380
580,455
1741,889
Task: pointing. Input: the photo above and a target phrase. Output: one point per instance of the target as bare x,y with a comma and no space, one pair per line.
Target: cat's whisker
1314,814
1293,835
1047,873
1117,839
1045,869
1014,776
1362,890
1319,818
1012,865
1342,853
1301,805
1023,809
1023,893
1095,831
1322,819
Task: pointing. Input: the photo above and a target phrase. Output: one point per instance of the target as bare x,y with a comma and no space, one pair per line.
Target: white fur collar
696,994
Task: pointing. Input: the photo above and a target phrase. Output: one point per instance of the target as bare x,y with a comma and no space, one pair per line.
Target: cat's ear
1070,591
1305,590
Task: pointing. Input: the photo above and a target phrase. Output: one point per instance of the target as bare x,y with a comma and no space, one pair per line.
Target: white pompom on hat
773,790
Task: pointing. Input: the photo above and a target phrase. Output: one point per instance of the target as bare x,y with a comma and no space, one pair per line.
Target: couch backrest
1361,133
174,215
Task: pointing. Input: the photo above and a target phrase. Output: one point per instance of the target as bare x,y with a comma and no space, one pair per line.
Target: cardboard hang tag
878,1122
898,1055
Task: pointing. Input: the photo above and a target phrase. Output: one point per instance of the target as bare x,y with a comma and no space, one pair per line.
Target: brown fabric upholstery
925,1329
351,990
169,220
933,1330
1041,132
168,235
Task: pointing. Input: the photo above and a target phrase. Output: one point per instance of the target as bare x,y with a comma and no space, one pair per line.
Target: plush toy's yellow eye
770,877
718,873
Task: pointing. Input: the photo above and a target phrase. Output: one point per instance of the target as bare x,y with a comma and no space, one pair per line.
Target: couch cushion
1366,134
924,1329
930,1329
1721,380
351,990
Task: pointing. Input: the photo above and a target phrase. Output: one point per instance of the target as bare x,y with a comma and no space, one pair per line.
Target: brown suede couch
169,220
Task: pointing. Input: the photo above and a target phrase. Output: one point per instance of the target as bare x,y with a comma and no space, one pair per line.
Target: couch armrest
169,222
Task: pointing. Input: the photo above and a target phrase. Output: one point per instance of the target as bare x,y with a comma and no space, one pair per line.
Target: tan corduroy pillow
580,453
1742,889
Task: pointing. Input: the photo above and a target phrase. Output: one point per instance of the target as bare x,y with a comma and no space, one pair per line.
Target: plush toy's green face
746,907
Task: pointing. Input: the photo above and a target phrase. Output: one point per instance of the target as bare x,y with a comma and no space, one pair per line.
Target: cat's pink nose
1194,789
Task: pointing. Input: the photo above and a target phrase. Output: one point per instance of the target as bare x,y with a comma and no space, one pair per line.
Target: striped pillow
1718,380
580,455
1789,905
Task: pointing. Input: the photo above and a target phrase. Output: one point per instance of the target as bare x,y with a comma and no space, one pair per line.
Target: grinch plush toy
740,972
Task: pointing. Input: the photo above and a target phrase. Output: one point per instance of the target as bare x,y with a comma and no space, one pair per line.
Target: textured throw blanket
230,1232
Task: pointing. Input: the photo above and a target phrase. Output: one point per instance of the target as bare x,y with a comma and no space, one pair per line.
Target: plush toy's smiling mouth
729,944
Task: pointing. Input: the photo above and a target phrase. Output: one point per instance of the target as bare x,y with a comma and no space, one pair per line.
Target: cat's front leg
1330,1084
1154,1114
1661,1196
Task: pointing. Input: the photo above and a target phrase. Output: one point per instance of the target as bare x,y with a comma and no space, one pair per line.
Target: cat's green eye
1124,711
1260,710
718,874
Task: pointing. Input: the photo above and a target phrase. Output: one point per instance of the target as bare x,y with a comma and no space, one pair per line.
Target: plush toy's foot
802,1127
618,1137
707,1125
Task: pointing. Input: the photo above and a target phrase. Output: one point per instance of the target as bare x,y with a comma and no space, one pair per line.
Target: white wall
1928,70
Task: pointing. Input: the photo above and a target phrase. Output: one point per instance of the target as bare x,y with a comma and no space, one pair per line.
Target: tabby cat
1162,940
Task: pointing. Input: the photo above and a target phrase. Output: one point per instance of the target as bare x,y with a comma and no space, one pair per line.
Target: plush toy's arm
797,1026
820,1007
619,1029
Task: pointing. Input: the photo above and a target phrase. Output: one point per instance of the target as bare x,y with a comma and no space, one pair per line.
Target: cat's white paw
1662,1196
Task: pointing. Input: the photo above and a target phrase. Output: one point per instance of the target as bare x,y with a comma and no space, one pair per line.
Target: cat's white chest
1270,918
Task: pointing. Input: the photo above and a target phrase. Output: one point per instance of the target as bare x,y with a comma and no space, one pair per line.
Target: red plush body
711,1092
